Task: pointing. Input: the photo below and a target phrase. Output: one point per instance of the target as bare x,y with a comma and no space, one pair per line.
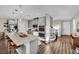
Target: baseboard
65,35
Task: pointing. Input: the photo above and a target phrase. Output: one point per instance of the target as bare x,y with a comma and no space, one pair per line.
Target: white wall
2,21
75,21
58,25
66,28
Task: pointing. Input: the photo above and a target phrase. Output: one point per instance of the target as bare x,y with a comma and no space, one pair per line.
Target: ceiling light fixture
18,13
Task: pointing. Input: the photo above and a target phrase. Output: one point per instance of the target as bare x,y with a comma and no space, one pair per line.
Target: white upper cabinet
41,21
23,26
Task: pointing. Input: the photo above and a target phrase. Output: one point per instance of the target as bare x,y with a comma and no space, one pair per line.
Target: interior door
66,28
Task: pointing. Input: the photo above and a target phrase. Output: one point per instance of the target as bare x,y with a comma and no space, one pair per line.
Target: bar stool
6,41
1,35
12,47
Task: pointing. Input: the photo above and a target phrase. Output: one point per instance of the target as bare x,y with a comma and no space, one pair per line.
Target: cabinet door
41,21
23,26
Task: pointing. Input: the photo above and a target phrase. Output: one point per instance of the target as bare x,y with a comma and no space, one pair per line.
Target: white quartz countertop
21,40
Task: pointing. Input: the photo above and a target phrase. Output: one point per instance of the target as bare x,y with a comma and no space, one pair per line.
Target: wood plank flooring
3,49
61,46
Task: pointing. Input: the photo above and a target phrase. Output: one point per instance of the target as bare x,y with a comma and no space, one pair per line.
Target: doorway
65,28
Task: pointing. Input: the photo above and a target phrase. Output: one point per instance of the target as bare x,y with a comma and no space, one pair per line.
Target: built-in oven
41,34
41,28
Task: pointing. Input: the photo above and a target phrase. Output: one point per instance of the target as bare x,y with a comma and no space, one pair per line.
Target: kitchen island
30,43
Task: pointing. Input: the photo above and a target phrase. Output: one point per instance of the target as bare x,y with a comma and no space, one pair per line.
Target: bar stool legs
12,47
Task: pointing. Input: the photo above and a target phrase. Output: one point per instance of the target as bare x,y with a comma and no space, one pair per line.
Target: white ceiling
58,12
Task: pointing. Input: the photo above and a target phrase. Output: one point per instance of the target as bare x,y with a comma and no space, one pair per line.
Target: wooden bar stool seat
12,47
15,46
